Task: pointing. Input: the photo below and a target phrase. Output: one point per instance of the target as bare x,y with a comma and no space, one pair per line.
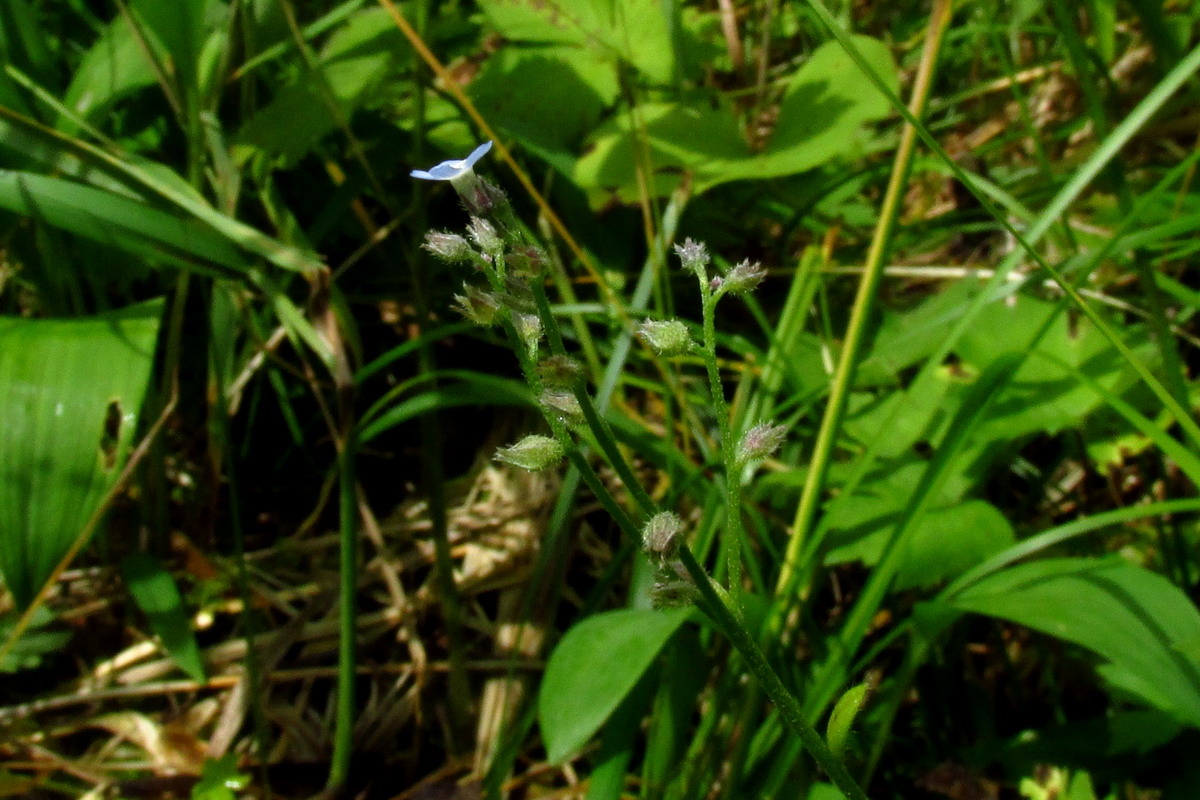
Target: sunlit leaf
70,393
1140,623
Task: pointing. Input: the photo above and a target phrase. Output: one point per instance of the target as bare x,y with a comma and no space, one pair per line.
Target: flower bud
526,260
564,405
529,328
482,308
693,255
660,535
448,246
667,337
744,278
560,372
760,441
484,234
532,453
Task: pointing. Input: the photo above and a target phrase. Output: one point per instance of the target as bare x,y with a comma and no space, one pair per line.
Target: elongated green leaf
70,394
118,221
594,666
156,594
1140,623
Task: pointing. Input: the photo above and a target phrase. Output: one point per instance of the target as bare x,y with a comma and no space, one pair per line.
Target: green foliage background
219,320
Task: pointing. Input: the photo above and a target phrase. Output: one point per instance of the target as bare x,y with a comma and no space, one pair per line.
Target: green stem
733,485
343,736
719,608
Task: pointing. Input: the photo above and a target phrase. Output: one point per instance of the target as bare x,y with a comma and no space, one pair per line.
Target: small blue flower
454,168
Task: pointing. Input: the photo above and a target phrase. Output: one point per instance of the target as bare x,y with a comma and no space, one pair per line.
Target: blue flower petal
478,153
449,170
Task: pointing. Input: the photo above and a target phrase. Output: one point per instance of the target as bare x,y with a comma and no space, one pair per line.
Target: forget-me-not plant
513,265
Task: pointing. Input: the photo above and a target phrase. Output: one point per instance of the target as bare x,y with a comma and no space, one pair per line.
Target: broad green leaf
156,594
1045,394
634,31
944,543
1137,621
827,103
70,392
548,97
593,668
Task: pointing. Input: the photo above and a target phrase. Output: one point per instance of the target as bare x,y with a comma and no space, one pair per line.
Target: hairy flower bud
532,453
448,246
667,337
760,441
744,278
660,535
529,328
560,372
526,260
484,234
482,308
693,255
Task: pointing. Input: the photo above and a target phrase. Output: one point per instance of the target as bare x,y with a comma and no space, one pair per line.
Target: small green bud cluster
741,279
744,278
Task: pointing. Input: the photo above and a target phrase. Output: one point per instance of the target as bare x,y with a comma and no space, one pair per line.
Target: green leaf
158,597
113,68
70,392
118,221
180,28
548,97
595,665
219,779
634,31
946,540
823,111
1137,621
